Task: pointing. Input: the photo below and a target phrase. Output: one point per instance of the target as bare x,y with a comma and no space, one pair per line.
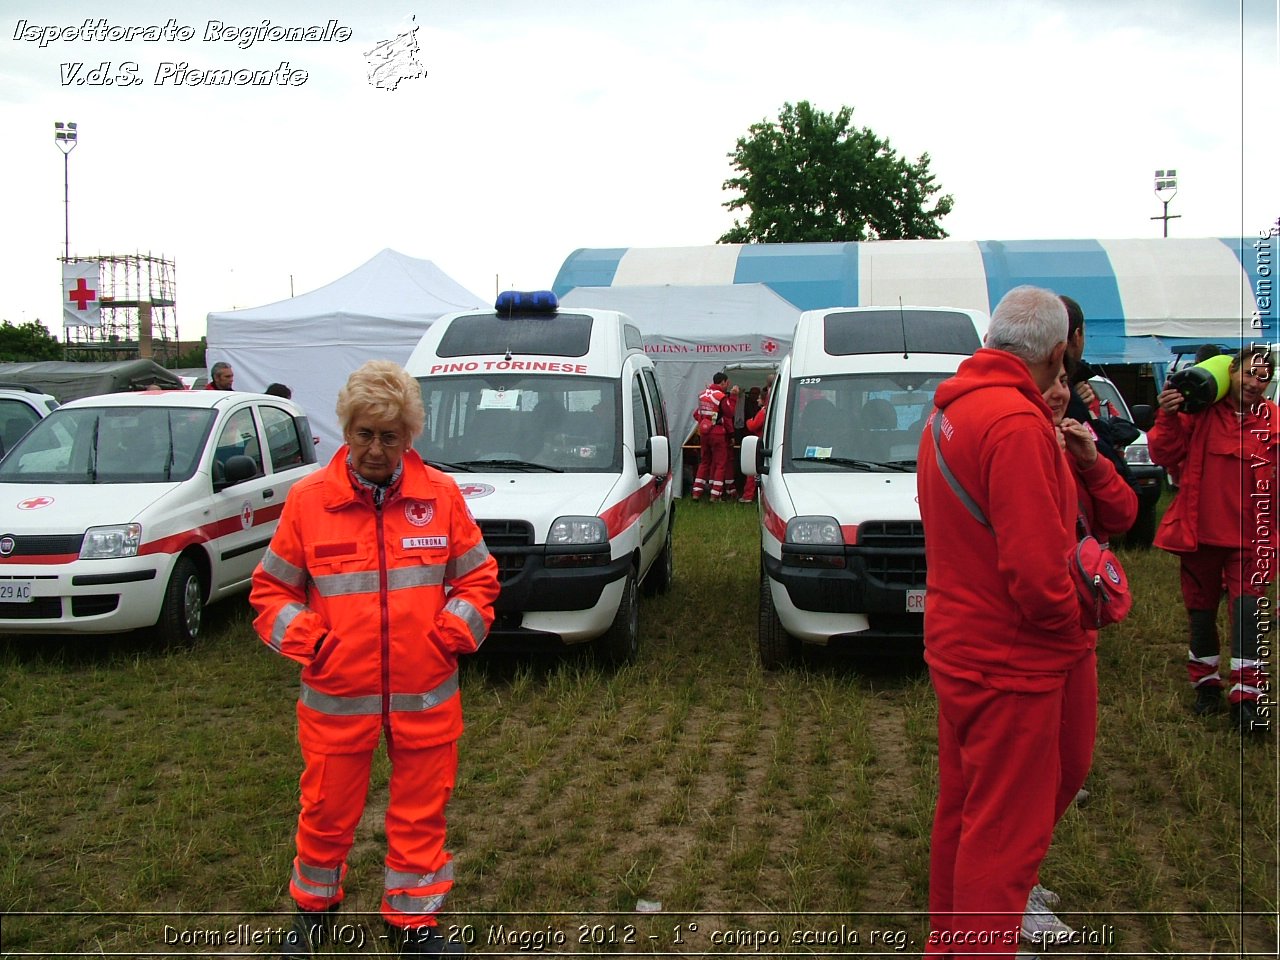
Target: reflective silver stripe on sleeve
469,615
396,880
318,881
460,566
340,706
283,570
404,903
418,575
288,613
343,584
413,702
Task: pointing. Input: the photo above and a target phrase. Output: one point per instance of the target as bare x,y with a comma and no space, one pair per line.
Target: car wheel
777,647
663,572
621,642
183,609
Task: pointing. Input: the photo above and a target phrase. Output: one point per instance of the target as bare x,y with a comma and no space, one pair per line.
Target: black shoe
1245,718
1208,700
309,931
424,943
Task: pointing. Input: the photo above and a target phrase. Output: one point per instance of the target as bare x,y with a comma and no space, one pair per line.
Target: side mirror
238,469
656,459
752,457
1144,416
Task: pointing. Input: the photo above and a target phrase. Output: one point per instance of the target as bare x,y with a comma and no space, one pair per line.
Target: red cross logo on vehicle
34,503
246,515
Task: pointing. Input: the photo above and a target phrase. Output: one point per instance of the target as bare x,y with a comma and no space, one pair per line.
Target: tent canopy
1132,291
312,342
690,332
66,380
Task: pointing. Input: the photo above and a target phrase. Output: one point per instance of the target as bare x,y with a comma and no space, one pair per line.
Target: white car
136,509
21,408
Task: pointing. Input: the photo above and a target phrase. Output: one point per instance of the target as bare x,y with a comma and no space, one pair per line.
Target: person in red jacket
376,580
1109,505
755,427
1221,525
1003,631
714,415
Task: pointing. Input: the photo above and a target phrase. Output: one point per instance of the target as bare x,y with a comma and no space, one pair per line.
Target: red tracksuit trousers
1009,765
419,871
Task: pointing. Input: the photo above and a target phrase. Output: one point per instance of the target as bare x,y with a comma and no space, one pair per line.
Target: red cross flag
80,288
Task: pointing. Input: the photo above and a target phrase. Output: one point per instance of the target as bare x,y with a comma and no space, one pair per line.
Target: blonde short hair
382,390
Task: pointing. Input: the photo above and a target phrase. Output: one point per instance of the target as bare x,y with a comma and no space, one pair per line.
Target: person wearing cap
1222,527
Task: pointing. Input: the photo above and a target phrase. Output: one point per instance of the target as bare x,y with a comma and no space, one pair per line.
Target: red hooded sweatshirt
1000,606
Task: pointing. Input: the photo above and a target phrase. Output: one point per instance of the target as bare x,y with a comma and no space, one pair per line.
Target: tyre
621,642
183,609
663,571
777,647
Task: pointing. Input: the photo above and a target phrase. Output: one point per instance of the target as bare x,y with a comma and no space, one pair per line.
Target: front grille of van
509,542
893,552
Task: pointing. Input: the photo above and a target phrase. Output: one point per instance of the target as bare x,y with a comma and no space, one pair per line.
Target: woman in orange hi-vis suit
375,581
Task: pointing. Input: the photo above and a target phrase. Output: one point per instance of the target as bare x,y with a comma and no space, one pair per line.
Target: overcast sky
542,128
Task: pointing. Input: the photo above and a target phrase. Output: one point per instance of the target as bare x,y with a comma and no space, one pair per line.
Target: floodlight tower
1166,190
64,137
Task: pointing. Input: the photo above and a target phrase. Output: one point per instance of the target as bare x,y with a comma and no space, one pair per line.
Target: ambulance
134,510
552,424
841,542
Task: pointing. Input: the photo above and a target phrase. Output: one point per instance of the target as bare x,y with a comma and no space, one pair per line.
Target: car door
245,513
647,421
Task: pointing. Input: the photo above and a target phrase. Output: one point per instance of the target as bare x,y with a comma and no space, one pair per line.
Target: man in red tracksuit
1222,527
714,414
1003,630
376,580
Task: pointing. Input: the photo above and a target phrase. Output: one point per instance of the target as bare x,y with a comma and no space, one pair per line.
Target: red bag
1101,584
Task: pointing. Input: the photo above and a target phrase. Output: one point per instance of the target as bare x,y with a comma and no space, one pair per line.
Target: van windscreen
899,331
554,335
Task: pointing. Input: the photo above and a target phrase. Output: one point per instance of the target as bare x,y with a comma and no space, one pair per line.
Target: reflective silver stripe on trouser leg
408,904
468,614
288,613
371,704
398,880
323,882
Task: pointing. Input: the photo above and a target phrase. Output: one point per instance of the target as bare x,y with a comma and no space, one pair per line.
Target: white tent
314,341
691,332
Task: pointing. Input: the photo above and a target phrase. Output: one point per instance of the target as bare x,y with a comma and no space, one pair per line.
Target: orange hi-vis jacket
376,603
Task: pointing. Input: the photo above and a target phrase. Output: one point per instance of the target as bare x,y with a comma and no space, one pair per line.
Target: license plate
915,601
16,591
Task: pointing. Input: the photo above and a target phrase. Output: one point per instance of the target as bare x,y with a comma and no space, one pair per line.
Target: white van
842,545
552,424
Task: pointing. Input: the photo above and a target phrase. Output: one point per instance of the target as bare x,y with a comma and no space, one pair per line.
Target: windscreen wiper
873,466
513,464
445,465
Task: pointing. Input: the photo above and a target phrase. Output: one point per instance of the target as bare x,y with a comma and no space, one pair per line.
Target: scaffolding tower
138,294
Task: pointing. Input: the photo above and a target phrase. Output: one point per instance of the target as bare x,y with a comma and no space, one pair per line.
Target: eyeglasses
365,438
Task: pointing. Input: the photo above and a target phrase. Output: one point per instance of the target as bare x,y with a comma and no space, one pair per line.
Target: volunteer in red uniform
715,424
1002,625
1221,525
375,581
755,427
1108,503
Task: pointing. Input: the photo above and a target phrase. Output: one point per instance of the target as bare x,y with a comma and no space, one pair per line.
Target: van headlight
813,542
576,530
111,543
1137,453
577,542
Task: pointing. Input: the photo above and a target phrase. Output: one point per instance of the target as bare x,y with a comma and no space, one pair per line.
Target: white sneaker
1043,896
1040,926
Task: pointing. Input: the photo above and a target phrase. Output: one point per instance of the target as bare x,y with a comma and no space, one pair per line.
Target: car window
110,445
239,438
284,438
16,418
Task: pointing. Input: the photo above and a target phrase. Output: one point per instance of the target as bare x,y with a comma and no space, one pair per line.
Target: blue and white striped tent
1140,297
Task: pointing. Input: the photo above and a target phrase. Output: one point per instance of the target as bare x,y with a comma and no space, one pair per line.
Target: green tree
28,341
812,177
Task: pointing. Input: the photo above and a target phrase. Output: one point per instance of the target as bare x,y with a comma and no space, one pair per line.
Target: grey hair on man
1031,323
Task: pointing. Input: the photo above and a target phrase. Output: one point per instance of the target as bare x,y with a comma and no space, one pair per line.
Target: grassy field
147,797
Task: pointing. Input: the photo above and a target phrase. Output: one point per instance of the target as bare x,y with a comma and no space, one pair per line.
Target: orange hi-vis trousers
419,871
